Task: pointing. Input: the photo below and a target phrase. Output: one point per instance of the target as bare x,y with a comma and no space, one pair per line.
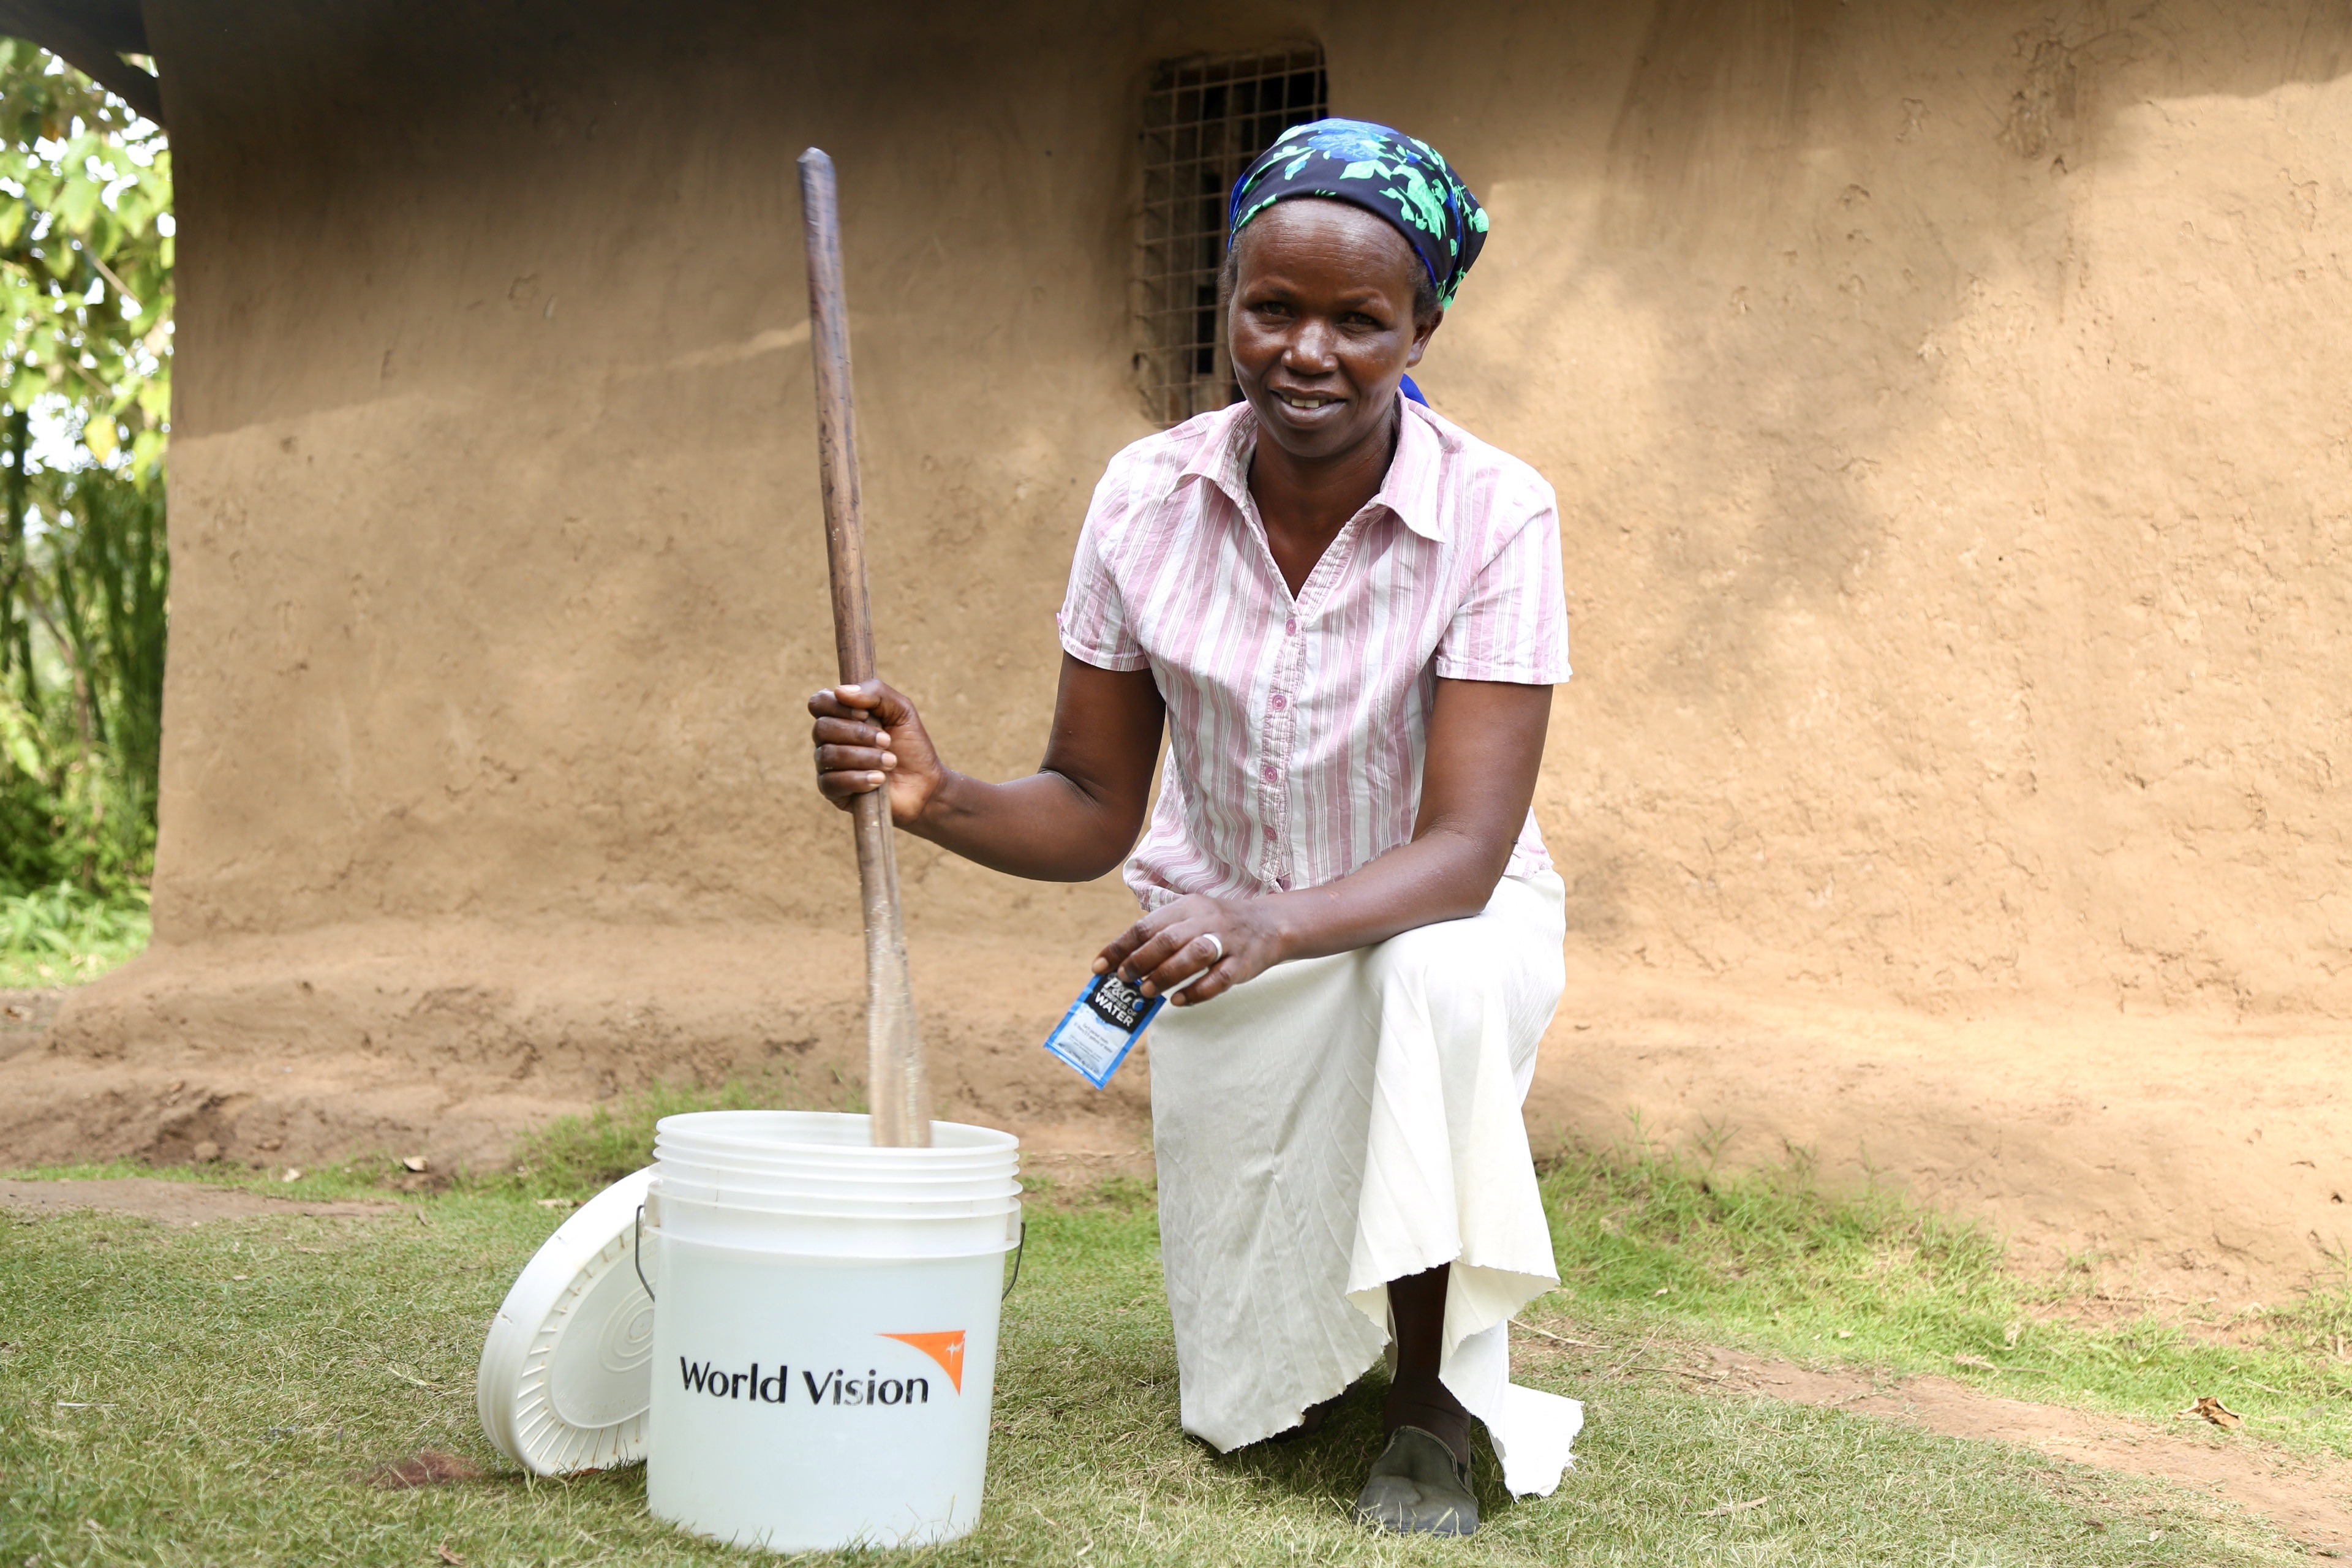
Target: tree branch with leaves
86,253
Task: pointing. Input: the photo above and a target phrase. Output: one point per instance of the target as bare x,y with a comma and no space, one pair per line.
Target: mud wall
1947,403
1944,401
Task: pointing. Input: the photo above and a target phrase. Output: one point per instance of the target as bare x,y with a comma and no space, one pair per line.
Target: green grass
62,936
573,1156
1769,1262
231,1420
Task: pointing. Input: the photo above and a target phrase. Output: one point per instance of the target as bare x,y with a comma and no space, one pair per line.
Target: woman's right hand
869,735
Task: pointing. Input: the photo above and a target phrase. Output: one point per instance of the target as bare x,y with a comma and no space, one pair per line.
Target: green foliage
58,935
86,254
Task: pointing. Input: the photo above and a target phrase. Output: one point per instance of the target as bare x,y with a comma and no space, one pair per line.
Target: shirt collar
1223,455
1409,490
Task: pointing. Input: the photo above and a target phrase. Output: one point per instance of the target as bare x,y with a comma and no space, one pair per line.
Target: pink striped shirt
1296,726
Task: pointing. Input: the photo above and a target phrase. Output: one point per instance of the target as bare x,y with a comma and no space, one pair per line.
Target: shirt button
1269,832
1280,702
1266,772
1290,627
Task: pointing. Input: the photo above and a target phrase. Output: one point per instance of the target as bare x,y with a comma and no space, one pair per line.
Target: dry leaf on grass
2216,1412
1974,1360
425,1467
1735,1507
443,1552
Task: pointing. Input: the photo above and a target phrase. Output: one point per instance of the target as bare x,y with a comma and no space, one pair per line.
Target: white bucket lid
567,1368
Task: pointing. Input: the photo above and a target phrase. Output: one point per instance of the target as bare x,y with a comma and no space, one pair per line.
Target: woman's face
1321,323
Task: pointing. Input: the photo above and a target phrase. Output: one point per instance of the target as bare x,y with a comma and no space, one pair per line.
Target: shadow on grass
1328,1470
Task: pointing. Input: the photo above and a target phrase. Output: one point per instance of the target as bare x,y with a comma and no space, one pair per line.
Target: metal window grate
1205,119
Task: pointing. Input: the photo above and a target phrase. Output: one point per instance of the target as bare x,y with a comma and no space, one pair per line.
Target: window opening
1205,117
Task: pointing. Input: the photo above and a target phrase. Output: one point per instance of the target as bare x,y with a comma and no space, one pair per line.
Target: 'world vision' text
837,1386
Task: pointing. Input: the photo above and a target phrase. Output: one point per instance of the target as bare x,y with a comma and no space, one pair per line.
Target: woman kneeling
1346,613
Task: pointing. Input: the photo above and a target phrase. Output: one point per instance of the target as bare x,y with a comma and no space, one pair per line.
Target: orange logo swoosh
945,1349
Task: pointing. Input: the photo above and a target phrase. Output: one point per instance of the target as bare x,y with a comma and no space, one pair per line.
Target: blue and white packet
1103,1025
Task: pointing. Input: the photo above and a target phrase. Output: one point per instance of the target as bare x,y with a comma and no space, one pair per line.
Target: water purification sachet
1103,1025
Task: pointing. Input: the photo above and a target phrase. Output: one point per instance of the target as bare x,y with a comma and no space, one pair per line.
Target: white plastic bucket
823,1351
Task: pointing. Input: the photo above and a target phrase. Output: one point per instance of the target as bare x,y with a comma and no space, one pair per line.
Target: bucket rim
892,1172
979,1184
831,1159
877,1202
831,1155
663,1235
949,1138
980,1209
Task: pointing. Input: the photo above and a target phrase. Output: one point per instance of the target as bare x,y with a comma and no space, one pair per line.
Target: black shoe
1418,1487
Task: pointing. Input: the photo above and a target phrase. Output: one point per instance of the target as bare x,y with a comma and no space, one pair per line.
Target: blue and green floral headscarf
1401,178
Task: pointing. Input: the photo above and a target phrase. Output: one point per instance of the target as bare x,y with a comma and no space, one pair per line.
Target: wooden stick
895,1085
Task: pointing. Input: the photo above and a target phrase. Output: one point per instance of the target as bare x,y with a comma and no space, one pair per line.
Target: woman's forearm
1043,826
1071,821
1443,875
1485,745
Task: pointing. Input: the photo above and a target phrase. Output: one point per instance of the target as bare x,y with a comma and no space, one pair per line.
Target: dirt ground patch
173,1203
2190,1155
25,1019
2305,1498
2309,1500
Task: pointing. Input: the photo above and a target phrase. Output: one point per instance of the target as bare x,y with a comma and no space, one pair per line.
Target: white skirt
1339,1123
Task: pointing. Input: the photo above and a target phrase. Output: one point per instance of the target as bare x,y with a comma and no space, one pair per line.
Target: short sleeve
1093,617
1512,626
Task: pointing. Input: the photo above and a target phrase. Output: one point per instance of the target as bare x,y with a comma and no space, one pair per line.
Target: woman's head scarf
1401,178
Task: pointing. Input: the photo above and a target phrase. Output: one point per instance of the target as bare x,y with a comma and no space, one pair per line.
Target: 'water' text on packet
1103,1025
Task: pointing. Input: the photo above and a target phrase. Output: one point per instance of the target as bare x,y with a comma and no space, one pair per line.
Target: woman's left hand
1173,941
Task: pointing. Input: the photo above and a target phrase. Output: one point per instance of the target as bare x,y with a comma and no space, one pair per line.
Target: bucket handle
1019,1248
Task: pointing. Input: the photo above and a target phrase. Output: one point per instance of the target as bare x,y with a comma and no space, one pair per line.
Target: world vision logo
835,1386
